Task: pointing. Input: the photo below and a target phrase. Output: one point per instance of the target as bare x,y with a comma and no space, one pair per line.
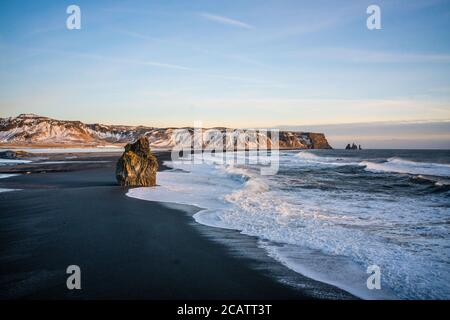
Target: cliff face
303,140
318,141
29,129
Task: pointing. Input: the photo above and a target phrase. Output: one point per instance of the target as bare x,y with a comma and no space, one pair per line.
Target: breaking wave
398,165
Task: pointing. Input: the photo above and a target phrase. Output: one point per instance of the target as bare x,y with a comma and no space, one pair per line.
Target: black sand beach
126,248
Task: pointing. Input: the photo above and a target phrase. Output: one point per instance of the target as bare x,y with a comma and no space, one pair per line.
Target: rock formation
352,147
137,166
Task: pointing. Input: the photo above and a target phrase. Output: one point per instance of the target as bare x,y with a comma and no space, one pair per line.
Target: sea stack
137,166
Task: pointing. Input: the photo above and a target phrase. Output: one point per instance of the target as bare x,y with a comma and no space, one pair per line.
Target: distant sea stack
34,130
353,147
137,166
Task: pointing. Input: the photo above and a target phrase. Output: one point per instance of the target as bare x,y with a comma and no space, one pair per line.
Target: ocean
330,214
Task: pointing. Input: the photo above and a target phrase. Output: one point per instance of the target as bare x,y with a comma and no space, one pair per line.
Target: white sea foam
308,158
308,155
234,198
441,183
4,162
331,238
438,181
7,175
398,165
190,185
7,190
334,270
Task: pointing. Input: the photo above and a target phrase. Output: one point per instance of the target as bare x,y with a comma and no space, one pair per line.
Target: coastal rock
137,166
353,147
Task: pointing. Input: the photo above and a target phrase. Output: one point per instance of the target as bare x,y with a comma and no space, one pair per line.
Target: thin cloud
226,21
39,31
235,57
394,57
368,56
137,62
144,63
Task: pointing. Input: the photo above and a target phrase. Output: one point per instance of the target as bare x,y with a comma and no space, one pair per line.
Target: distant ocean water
329,214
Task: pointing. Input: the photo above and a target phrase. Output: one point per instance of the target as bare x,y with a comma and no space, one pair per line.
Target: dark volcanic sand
126,248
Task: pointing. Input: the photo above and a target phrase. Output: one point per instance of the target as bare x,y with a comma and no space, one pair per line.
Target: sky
234,63
385,135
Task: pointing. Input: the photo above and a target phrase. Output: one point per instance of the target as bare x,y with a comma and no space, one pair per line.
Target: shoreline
250,247
126,248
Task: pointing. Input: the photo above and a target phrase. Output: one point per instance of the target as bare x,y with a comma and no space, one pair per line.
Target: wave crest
399,165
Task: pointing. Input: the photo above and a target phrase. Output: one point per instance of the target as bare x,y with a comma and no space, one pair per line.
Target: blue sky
246,63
